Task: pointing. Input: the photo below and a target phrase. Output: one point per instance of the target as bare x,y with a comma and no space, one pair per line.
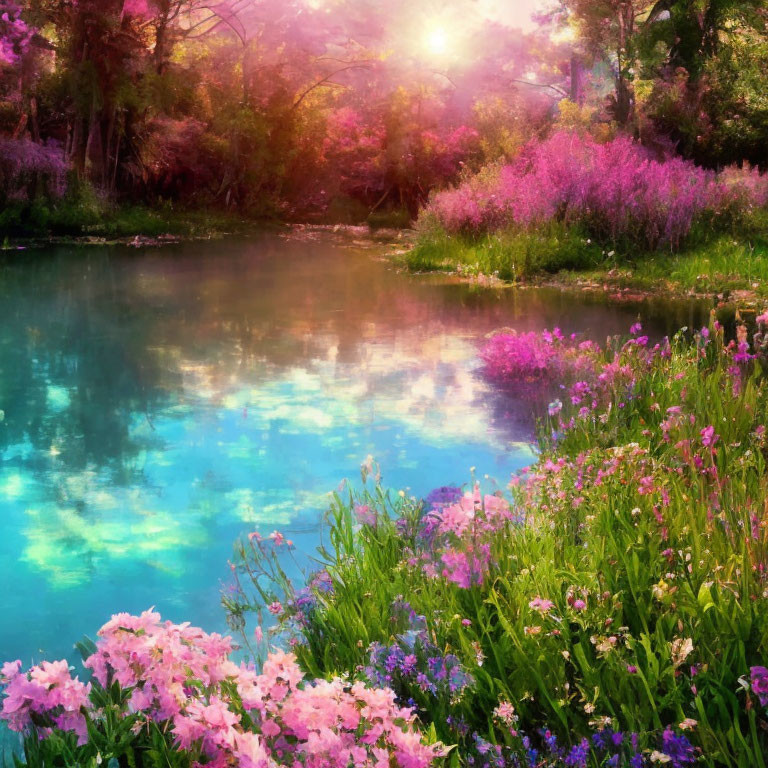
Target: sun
436,41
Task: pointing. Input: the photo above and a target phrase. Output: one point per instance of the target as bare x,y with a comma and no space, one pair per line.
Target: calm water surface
159,403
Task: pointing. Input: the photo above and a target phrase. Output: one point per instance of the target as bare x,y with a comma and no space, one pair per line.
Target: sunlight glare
437,41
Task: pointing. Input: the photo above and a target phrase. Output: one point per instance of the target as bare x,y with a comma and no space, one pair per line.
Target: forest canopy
342,108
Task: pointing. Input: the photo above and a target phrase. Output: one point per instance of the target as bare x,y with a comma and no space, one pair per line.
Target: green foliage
117,739
82,212
671,578
510,255
711,262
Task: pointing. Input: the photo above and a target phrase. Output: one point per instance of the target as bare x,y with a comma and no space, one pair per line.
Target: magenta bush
525,358
617,190
15,34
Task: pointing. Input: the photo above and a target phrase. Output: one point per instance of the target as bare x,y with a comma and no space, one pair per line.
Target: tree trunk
624,91
247,73
623,110
577,79
93,130
34,125
161,36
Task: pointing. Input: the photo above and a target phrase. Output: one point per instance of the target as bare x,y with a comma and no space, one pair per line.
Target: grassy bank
84,215
710,264
609,608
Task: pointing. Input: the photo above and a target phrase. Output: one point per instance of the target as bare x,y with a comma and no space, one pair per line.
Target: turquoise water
159,403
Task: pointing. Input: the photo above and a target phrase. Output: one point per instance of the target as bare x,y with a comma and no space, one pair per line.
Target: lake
159,403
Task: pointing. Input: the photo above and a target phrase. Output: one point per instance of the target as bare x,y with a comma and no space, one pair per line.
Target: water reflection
157,404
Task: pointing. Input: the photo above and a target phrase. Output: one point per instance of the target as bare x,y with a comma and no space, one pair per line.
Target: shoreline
363,234
628,282
619,284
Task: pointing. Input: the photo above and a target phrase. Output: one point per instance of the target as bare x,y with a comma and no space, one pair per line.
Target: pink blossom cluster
48,691
531,357
616,190
15,34
140,8
461,536
184,679
746,185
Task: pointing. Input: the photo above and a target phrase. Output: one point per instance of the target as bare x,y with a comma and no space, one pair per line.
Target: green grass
510,256
631,510
136,220
83,214
711,263
724,264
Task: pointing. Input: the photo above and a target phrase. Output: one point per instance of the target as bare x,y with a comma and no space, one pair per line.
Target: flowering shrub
414,662
15,34
746,186
515,358
610,609
28,169
172,687
618,190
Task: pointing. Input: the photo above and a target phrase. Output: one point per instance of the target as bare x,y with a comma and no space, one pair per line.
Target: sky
515,13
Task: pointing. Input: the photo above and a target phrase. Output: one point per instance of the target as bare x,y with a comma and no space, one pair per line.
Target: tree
609,31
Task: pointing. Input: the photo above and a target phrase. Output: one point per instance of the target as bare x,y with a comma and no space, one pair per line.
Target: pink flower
250,752
456,518
541,605
365,515
275,608
184,682
9,670
708,436
465,567
187,731
48,689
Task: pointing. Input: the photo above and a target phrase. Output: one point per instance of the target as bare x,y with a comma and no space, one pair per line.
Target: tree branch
324,81
554,88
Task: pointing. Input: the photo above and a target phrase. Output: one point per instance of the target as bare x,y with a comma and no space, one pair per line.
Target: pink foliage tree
15,34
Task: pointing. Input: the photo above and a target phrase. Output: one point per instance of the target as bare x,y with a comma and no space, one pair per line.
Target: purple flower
678,749
578,755
443,496
759,681
618,187
322,582
743,355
